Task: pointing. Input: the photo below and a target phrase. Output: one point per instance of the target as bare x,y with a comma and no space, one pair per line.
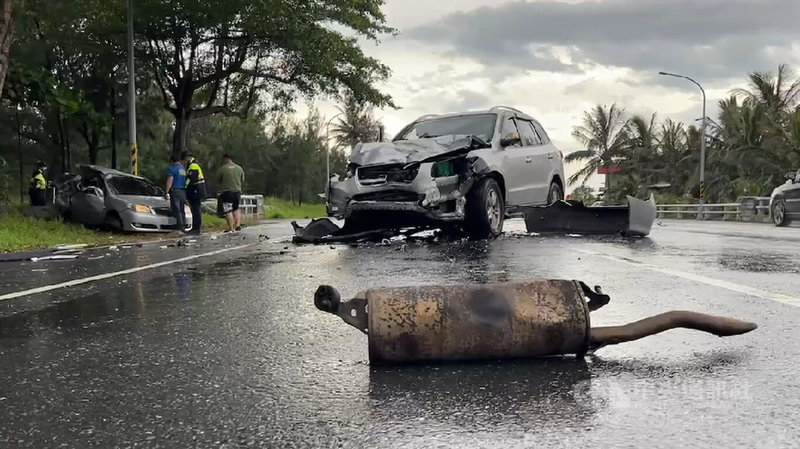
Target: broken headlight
351,171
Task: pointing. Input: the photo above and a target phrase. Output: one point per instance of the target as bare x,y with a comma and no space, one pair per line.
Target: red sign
608,169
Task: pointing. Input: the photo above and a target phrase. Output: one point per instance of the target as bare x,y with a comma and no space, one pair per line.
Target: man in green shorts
230,179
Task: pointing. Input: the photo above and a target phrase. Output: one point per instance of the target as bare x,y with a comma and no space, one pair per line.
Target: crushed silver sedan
102,197
468,170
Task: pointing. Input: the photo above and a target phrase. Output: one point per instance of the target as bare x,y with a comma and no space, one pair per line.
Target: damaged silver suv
467,170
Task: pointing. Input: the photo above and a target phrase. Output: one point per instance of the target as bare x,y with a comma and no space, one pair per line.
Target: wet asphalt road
228,350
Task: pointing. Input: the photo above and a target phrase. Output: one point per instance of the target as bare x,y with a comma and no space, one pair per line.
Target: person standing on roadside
230,178
195,190
176,191
37,190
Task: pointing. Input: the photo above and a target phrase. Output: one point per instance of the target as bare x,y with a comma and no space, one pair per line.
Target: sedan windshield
128,185
479,125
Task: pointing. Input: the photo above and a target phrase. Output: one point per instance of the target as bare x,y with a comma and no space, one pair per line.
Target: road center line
738,288
100,277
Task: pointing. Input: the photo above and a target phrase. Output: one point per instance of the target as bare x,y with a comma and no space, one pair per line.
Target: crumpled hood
150,201
408,151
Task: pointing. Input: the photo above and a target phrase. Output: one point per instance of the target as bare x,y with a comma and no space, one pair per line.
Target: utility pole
132,96
701,210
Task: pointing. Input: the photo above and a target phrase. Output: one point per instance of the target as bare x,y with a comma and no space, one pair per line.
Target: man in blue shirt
176,190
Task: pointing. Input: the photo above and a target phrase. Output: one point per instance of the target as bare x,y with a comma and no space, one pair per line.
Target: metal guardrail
750,208
248,204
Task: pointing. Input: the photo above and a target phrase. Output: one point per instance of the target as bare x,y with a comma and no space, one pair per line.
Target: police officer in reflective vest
37,190
195,189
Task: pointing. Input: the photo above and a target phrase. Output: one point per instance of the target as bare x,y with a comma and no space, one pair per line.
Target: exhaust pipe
499,321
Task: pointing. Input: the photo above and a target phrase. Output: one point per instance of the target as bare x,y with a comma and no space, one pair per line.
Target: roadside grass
18,232
279,208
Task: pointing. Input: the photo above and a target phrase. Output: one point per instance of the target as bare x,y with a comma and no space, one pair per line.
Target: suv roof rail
505,108
425,117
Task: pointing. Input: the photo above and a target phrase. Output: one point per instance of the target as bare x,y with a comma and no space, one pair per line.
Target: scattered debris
263,237
126,247
163,246
323,230
113,248
54,257
69,247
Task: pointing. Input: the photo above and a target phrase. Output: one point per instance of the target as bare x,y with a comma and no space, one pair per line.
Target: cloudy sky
555,59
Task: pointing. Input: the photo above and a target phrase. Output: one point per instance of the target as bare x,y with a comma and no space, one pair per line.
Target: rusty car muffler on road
499,321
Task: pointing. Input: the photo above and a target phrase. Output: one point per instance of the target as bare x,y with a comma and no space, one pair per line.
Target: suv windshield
128,185
479,125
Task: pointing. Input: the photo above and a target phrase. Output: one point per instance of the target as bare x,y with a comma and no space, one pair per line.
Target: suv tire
485,210
556,193
779,216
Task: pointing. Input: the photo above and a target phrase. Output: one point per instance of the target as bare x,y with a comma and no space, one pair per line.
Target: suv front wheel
555,193
779,213
486,210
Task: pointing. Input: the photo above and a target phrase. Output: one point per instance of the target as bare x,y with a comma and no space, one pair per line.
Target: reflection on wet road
229,351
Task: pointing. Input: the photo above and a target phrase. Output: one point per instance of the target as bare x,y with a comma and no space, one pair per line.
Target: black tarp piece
323,230
573,217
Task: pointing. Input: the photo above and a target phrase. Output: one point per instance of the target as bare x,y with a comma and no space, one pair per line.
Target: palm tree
604,133
357,124
775,92
676,160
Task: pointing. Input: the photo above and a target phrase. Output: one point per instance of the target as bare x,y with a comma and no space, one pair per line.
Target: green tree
584,194
210,57
604,133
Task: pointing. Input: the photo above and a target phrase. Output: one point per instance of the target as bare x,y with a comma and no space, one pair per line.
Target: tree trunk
608,188
94,148
6,36
113,107
19,154
62,137
179,136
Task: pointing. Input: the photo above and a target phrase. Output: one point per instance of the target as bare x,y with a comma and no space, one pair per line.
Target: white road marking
100,277
738,288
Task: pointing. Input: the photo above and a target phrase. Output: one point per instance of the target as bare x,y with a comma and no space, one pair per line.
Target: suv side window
528,134
509,128
542,134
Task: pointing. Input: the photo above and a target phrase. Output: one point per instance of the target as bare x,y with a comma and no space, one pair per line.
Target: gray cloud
712,39
468,100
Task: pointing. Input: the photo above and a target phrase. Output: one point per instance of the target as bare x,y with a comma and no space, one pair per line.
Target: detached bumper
573,217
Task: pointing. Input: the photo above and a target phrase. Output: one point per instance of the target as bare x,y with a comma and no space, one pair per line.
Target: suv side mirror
511,139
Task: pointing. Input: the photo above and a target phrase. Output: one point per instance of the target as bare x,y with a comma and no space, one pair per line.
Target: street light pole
701,212
132,96
328,158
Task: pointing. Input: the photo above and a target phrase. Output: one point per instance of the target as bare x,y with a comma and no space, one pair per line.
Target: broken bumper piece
635,220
